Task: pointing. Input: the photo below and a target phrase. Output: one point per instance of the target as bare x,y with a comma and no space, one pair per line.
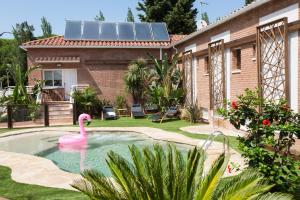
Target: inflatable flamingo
75,140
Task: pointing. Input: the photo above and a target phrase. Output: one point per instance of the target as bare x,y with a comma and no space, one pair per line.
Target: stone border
41,171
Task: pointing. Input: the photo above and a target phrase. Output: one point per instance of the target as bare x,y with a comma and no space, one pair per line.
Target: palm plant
170,175
136,80
20,95
165,89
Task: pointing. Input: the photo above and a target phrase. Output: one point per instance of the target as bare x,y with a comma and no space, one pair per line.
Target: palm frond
245,185
275,196
209,184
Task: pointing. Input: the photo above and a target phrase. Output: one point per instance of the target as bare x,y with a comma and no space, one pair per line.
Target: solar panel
108,31
125,31
143,32
91,30
160,32
73,30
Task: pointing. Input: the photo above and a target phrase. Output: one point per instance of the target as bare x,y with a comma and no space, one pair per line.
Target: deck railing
42,115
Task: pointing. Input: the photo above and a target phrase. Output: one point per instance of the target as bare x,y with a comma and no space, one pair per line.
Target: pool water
91,156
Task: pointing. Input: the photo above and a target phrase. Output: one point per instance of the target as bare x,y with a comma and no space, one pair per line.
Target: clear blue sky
56,11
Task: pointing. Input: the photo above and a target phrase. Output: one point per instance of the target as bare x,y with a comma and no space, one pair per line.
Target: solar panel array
108,31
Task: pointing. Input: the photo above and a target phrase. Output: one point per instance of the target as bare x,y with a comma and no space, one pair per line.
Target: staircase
60,112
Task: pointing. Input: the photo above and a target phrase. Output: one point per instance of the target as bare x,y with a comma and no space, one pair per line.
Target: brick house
220,61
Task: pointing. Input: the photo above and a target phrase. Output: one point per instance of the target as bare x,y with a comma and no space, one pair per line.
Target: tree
179,15
22,33
154,10
204,16
130,17
46,28
165,175
248,1
8,55
100,17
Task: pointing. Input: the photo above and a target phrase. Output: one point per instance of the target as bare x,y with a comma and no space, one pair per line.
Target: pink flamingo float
76,143
75,140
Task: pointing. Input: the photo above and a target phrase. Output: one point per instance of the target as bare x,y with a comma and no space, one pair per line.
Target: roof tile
59,41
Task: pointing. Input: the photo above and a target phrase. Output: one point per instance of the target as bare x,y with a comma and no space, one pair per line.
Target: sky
57,11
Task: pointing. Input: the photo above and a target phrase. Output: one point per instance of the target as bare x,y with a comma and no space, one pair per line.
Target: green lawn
171,125
19,191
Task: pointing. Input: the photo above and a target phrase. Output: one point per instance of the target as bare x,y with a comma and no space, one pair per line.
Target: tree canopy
130,17
204,16
46,28
23,32
179,15
100,17
248,1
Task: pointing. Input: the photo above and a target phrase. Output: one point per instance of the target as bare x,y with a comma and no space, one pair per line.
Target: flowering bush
272,127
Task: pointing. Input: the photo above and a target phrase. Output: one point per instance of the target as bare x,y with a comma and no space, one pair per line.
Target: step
59,108
58,113
61,117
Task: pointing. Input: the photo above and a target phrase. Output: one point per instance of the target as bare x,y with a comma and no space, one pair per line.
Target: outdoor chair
151,109
108,112
137,111
171,113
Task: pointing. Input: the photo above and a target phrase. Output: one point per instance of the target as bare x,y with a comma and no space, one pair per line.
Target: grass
19,191
171,125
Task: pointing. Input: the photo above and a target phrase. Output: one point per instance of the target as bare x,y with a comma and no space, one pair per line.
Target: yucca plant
169,175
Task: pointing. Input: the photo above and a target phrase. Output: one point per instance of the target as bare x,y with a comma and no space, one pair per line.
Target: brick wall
239,27
106,78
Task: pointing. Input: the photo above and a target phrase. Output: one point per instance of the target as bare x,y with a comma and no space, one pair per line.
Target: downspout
176,50
160,54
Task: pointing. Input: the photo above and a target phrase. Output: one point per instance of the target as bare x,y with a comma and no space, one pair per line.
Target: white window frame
52,70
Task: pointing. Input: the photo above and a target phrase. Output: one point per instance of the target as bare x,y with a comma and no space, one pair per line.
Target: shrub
271,127
120,102
87,101
193,113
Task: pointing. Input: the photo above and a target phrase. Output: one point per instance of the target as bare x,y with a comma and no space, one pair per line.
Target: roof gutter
93,47
226,19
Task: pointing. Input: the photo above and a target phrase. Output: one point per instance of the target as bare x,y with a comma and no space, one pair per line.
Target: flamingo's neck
82,129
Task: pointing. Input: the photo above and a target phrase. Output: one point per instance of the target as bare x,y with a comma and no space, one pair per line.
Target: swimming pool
91,156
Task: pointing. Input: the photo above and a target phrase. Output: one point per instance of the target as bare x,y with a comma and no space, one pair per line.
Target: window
53,78
206,65
237,59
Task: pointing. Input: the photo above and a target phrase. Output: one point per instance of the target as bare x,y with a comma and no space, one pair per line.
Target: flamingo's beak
88,122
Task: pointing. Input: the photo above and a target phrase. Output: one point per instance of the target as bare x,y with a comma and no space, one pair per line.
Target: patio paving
40,171
208,129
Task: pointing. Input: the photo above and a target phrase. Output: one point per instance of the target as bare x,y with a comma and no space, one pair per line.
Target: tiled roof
60,42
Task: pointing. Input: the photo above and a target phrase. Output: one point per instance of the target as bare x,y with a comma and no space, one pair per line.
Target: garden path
208,129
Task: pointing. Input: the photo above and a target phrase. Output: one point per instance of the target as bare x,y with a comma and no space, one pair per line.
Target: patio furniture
151,109
137,111
122,112
171,113
108,112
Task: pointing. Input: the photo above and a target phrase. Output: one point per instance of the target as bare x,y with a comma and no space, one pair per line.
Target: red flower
229,168
234,105
266,122
286,107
